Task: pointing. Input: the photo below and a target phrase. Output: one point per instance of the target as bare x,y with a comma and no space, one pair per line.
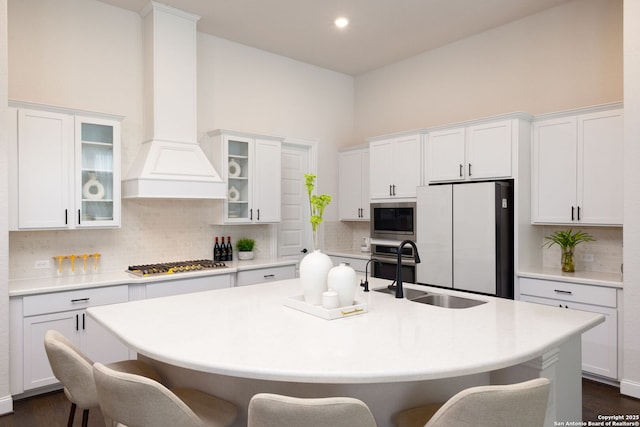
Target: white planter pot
245,255
314,269
342,279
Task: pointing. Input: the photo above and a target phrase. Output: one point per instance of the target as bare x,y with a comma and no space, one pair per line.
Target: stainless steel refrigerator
465,237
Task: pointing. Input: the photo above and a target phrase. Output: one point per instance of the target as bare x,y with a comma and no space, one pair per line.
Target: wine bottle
216,251
223,250
229,249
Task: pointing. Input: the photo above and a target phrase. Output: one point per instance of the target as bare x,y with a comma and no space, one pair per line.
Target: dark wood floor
52,409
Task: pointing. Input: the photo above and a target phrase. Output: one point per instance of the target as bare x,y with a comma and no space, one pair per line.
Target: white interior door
294,231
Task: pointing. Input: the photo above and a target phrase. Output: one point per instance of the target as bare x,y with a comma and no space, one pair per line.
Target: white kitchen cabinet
353,179
359,264
187,285
395,167
251,166
65,312
577,169
265,275
68,170
599,344
476,152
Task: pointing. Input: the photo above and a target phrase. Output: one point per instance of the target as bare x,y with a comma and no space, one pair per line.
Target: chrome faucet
416,257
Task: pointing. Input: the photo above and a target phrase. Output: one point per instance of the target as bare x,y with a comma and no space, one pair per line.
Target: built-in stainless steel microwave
393,221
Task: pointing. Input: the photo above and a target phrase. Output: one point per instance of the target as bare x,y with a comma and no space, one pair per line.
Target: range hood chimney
170,163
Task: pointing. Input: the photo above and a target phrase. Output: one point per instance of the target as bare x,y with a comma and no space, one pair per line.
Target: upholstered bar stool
484,406
137,401
272,410
75,371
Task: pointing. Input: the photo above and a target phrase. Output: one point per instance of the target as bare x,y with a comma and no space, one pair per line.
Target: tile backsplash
152,231
603,255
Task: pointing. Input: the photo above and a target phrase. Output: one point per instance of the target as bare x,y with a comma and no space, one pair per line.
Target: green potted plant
245,248
567,240
317,203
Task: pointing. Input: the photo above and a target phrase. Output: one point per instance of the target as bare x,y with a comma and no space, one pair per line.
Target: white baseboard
630,388
6,405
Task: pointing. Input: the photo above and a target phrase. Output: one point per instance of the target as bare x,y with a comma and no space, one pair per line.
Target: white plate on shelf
234,169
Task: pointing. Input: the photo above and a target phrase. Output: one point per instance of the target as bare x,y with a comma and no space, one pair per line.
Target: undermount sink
447,301
439,300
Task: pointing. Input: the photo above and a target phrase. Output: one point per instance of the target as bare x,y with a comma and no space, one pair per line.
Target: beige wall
569,56
631,320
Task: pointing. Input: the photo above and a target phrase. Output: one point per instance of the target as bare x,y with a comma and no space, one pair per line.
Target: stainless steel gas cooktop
175,267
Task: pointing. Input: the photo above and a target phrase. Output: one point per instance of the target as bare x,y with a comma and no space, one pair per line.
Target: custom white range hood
170,163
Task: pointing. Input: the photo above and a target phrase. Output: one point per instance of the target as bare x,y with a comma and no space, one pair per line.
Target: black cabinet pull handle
83,326
269,276
390,191
469,169
258,217
77,320
394,189
572,209
77,300
578,213
78,216
461,170
66,220
251,214
560,291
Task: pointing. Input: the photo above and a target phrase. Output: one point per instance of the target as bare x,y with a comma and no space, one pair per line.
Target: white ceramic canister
314,269
342,279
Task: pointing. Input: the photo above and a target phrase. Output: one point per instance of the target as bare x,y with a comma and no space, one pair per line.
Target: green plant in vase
245,248
317,204
567,240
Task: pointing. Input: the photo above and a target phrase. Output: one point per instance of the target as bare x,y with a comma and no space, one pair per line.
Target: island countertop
248,332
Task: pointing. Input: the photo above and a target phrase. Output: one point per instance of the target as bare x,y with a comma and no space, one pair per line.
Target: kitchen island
240,341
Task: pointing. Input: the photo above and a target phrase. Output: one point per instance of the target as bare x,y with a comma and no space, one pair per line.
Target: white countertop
21,287
583,277
248,332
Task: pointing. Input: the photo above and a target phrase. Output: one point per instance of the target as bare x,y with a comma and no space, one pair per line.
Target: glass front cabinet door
97,172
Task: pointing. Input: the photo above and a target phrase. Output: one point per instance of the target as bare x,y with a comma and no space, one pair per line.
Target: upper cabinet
353,178
251,167
395,166
476,152
577,171
66,170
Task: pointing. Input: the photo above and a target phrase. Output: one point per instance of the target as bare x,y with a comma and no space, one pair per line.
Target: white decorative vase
245,255
314,269
342,279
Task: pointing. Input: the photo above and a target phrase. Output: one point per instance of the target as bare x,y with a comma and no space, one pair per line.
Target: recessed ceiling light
341,22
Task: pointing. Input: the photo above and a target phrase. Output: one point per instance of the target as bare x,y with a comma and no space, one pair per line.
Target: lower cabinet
262,275
358,264
599,344
184,286
64,312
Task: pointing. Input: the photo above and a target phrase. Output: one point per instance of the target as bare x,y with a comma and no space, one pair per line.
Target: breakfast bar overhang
237,342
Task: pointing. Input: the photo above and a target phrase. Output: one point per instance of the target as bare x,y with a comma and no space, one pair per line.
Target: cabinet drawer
186,286
261,275
565,291
74,300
